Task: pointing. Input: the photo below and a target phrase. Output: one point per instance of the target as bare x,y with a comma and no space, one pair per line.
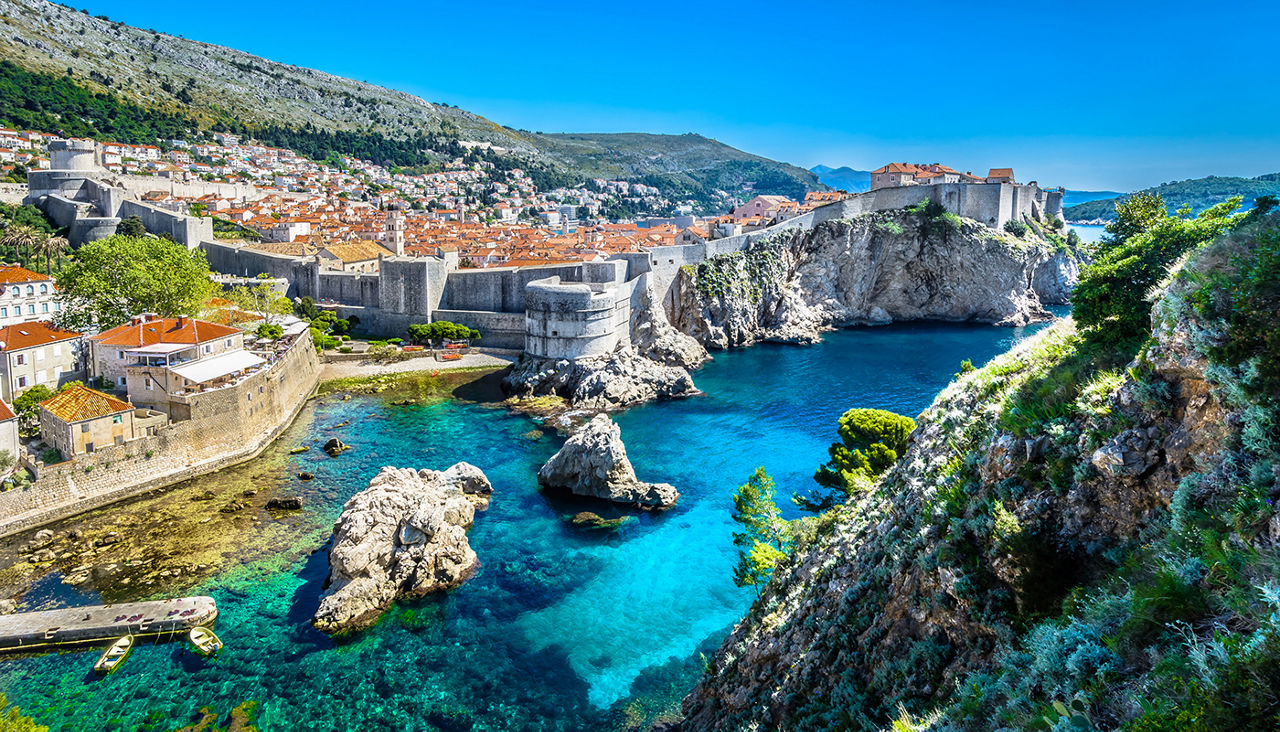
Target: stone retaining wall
227,426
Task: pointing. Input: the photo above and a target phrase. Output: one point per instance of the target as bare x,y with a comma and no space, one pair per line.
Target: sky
1088,95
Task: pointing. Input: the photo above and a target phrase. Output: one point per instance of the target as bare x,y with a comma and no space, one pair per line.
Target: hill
1072,198
222,88
843,178
1198,193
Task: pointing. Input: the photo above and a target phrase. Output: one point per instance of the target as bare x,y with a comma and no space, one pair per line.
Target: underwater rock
285,503
593,462
403,536
299,450
8,607
306,476
335,447
589,520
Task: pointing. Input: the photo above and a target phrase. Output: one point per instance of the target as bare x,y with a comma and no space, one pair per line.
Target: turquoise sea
562,628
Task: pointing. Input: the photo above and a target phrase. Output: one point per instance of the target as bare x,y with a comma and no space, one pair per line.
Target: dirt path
351,369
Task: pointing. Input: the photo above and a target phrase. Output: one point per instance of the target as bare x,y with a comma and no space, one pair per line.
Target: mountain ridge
216,84
1198,193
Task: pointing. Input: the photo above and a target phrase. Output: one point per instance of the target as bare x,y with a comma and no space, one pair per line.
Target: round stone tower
73,155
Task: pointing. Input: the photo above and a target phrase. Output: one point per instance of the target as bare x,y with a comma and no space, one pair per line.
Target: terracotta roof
10,273
1000,173
6,412
78,402
163,330
36,333
357,251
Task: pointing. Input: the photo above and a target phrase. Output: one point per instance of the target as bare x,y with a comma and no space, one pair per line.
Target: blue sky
1111,95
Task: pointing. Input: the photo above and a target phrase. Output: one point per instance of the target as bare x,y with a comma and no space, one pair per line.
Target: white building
26,295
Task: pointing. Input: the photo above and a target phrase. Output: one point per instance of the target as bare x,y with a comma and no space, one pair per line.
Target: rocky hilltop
403,536
872,269
1087,557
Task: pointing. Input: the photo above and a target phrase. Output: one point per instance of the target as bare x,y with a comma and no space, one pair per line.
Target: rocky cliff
871,269
1065,545
403,536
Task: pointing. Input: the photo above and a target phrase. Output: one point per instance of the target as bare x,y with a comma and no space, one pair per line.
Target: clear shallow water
562,629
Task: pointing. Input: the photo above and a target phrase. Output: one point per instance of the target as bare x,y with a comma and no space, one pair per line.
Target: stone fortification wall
138,185
236,259
13,193
499,289
576,319
498,330
189,231
226,426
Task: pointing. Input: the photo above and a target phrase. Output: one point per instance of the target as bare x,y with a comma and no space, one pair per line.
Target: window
228,343
31,290
20,359
206,349
41,377
44,289
147,384
57,306
40,355
57,350
84,427
4,312
117,419
44,307
31,310
22,382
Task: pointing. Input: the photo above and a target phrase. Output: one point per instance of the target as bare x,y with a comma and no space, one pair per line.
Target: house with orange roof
151,341
354,256
38,353
26,295
1000,175
79,420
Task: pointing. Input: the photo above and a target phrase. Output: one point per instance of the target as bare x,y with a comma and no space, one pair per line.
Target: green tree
27,407
1134,215
441,330
1111,297
22,238
261,300
766,537
270,332
131,226
871,441
112,279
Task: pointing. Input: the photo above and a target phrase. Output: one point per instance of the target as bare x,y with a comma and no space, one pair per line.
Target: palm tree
21,236
55,246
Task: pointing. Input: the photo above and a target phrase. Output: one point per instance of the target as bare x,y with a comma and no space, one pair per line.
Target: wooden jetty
105,623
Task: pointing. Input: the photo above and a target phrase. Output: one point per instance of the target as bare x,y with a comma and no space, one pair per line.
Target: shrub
344,349
871,441
51,456
269,332
441,330
1112,294
1017,228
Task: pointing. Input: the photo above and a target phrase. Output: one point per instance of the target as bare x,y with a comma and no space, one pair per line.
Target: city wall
227,426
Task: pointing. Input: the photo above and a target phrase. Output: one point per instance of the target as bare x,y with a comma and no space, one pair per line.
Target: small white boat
114,656
205,641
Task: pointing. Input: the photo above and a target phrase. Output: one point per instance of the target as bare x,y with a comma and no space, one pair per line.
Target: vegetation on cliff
1196,193
1082,534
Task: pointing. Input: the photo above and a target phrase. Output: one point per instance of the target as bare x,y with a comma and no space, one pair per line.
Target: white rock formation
872,269
403,536
593,462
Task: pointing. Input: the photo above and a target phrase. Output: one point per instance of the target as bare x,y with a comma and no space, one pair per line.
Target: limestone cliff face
920,590
872,269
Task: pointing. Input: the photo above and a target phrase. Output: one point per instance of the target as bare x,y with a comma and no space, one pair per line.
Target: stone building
79,420
26,295
151,341
38,353
8,430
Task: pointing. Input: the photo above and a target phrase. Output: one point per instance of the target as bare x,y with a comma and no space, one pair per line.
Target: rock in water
335,447
403,536
286,503
593,462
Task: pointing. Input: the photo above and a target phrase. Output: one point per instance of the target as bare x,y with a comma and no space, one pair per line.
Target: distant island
1198,193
